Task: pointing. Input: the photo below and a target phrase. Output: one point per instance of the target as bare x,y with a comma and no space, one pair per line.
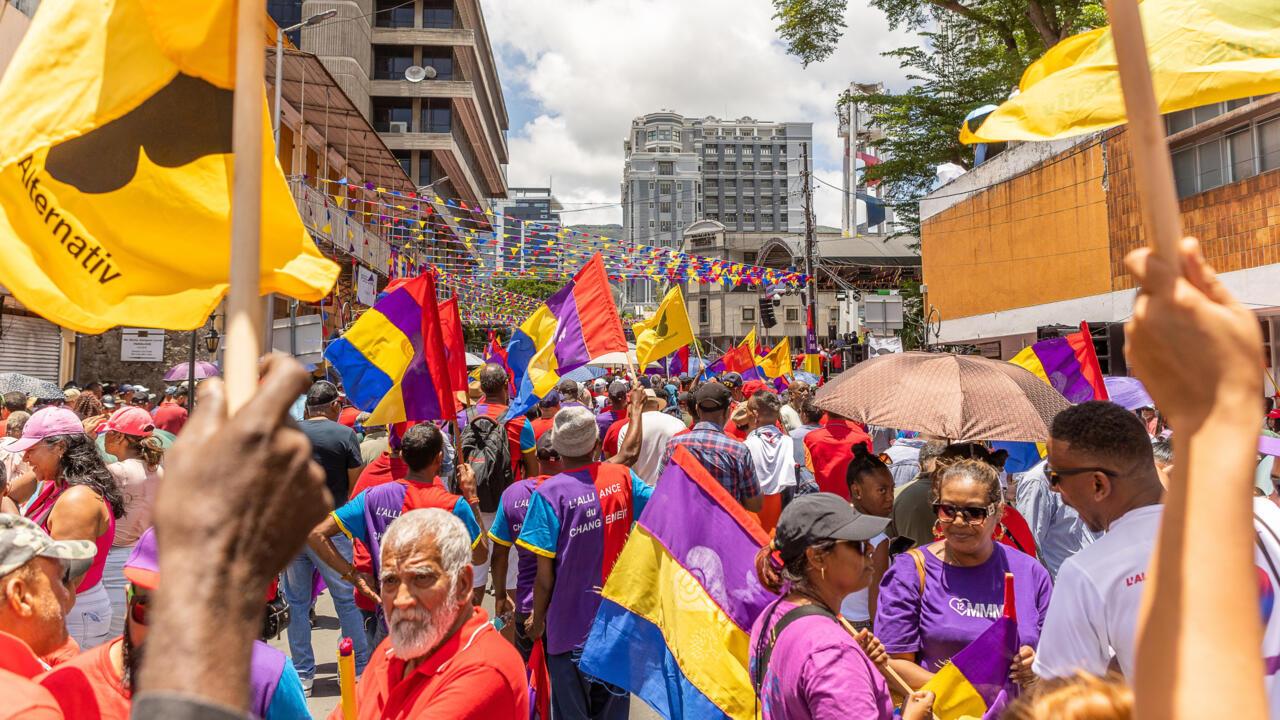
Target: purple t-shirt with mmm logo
958,603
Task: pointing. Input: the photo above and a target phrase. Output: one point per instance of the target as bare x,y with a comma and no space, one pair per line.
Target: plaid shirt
728,460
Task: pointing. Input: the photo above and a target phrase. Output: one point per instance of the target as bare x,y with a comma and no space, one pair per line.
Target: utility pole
810,243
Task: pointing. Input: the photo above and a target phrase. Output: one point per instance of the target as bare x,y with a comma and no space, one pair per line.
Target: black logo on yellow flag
181,123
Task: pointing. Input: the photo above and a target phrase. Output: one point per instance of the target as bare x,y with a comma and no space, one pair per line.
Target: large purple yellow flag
116,163
392,360
1201,52
675,620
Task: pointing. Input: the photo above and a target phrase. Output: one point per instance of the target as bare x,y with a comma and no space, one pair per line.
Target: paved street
324,695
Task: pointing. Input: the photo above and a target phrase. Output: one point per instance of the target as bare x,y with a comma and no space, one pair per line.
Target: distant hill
611,231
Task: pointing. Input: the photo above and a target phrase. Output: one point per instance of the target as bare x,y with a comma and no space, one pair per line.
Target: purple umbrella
1127,392
204,370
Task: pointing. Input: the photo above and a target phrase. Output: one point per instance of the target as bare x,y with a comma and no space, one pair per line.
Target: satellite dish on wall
418,73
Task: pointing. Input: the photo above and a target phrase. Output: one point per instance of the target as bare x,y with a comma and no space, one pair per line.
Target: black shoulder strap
768,640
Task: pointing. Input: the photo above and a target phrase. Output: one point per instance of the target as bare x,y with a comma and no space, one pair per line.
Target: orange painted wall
1038,238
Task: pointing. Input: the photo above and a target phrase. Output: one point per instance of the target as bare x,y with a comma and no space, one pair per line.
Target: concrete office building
743,174
449,129
525,214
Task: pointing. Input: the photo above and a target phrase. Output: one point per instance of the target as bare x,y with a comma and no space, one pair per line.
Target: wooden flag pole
1161,217
244,307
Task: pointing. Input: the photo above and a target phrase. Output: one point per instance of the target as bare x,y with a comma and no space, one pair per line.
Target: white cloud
580,70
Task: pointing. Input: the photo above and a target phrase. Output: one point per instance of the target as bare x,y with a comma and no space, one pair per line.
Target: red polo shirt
474,675
22,697
830,451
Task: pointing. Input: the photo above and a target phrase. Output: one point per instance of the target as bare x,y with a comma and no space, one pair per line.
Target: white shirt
659,428
1093,614
1266,522
773,455
856,606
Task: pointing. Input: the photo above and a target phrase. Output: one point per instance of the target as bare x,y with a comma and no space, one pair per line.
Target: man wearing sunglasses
1100,461
99,683
35,595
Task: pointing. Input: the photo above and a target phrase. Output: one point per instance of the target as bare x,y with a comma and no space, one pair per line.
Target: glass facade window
392,114
1242,164
287,13
425,169
437,115
440,58
390,61
1269,144
405,158
437,14
393,14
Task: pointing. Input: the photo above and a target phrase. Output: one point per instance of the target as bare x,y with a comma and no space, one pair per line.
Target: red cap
1274,414
752,387
132,421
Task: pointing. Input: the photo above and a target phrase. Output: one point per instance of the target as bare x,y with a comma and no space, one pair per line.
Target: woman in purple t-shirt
805,661
938,598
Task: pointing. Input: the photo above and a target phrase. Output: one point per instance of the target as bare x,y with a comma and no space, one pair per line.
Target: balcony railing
337,233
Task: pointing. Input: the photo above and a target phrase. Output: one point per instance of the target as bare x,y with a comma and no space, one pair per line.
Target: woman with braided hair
806,661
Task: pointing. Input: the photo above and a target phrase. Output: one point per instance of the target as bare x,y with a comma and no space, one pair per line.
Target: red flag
738,360
1087,355
597,316
455,348
539,683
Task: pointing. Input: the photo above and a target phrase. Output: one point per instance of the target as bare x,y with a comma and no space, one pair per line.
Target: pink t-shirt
138,484
817,670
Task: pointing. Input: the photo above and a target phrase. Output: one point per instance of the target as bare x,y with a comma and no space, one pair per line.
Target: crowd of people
889,551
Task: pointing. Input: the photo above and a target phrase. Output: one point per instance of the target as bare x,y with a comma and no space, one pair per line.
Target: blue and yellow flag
116,165
664,333
1201,52
674,624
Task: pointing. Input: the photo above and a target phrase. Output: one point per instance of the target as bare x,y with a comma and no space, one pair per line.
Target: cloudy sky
575,73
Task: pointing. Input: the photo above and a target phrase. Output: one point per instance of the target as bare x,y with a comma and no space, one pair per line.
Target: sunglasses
1055,475
138,605
969,515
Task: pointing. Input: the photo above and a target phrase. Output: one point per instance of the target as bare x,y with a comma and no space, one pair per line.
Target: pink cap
131,421
49,422
143,566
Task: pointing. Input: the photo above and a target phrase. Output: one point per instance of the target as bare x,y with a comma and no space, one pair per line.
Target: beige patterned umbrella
958,397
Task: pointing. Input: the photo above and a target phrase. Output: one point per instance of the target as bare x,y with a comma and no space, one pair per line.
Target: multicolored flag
1201,52
778,362
1069,364
664,333
675,620
392,360
976,684
577,323
455,345
115,169
741,359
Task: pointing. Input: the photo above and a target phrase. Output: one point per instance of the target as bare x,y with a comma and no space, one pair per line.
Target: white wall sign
366,286
141,345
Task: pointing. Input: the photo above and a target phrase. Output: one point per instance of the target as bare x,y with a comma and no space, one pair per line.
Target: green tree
533,287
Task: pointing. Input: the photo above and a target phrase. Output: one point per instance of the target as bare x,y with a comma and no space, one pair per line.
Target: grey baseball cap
21,540
810,519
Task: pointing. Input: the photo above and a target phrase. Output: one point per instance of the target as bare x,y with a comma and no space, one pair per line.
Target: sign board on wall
366,286
141,345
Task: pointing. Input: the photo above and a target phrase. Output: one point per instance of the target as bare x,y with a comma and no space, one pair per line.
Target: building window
766,150
782,219
731,218
1269,144
704,310
393,14
666,168
426,171
731,185
392,115
1242,159
405,158
390,61
834,314
749,218
664,226
793,314
437,115
437,13
713,167
440,58
653,135
748,167
713,185
748,314
713,216
1210,159
664,207
664,189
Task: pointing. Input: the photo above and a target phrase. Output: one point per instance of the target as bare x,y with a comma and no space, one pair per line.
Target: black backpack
485,447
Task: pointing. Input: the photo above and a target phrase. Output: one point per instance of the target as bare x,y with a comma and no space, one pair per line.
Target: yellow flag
778,362
116,169
664,333
749,342
1201,52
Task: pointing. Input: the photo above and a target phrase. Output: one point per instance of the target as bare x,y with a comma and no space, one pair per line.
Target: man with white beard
442,658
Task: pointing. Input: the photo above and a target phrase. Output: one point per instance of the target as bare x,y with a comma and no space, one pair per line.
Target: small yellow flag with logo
116,169
664,333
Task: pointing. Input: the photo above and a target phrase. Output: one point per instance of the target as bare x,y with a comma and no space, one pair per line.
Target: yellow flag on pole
1201,52
778,362
116,169
666,332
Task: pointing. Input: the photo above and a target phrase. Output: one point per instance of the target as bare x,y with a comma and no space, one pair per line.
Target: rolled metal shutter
31,346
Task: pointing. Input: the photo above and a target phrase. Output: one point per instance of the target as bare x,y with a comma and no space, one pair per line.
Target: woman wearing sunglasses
806,661
936,599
